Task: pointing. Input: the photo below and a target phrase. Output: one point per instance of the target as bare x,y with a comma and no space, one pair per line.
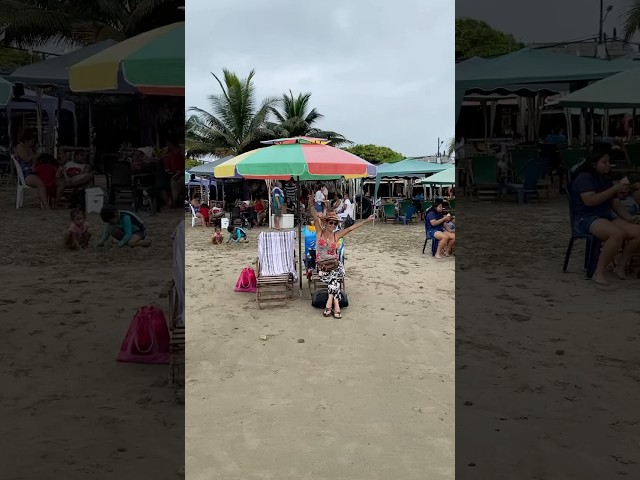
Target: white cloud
380,72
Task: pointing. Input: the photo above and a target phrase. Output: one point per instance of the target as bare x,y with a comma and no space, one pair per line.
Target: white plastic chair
194,217
21,184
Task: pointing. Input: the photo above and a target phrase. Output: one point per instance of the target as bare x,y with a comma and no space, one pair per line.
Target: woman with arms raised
330,269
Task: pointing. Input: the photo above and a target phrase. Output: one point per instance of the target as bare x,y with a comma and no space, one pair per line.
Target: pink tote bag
247,281
147,340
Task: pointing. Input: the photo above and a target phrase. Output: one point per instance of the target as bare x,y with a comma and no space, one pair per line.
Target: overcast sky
546,20
380,72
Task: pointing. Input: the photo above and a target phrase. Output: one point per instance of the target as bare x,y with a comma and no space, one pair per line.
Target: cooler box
94,199
224,223
286,221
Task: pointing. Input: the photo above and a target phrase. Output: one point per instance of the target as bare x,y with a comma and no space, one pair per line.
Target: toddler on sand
217,239
77,235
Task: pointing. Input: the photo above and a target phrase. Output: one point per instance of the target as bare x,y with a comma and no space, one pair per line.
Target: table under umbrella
300,158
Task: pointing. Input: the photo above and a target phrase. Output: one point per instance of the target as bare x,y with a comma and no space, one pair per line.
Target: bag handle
242,278
135,341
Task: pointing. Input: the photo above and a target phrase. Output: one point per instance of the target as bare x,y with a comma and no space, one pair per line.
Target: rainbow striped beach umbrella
300,158
151,63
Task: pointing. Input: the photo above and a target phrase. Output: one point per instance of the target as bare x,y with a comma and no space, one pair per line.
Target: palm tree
632,20
236,124
295,120
451,146
81,22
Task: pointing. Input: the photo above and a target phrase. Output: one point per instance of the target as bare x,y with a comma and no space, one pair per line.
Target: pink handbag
247,281
147,340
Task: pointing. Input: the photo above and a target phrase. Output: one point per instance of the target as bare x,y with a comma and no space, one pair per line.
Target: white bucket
224,223
94,199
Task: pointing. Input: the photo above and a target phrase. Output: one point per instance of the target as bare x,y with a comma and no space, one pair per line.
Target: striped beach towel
275,251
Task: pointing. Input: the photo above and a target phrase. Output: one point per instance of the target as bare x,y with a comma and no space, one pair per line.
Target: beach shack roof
408,168
530,66
444,177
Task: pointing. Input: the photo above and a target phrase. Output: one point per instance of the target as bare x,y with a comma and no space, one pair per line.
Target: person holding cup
435,225
598,211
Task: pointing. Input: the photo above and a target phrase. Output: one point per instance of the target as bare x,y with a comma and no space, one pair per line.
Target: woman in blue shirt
598,211
434,225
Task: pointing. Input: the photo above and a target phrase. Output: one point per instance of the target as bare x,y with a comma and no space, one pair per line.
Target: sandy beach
544,354
71,411
366,397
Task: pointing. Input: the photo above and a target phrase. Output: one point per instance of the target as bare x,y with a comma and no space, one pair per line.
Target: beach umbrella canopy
207,167
55,70
617,91
300,158
6,92
444,177
151,63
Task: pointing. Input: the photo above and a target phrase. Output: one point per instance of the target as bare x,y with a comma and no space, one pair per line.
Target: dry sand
366,397
69,409
542,356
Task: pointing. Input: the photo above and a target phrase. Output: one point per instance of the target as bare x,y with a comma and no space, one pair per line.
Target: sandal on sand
327,312
337,315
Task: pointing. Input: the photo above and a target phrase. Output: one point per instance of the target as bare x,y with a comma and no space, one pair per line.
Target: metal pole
300,251
600,25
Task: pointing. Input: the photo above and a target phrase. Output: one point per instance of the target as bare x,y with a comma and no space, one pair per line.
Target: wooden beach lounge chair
276,267
174,291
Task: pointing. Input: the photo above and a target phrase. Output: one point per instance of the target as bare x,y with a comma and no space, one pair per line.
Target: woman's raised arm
314,214
355,226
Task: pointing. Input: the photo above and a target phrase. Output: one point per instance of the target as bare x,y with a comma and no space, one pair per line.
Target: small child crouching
217,238
77,235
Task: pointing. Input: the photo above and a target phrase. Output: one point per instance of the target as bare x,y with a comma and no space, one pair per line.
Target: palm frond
632,21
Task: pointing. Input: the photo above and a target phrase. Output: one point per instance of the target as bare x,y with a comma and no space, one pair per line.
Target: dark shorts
432,231
583,224
276,211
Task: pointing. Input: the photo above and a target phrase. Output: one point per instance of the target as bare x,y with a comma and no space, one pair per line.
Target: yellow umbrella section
100,72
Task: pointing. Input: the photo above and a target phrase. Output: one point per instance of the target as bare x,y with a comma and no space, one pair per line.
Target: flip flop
327,312
337,315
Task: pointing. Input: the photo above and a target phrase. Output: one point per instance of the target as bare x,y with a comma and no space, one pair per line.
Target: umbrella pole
300,251
39,116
